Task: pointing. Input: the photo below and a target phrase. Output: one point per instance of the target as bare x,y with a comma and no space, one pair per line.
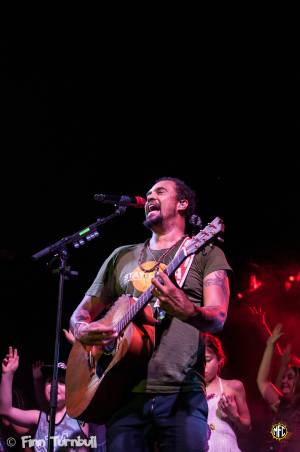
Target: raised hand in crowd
11,361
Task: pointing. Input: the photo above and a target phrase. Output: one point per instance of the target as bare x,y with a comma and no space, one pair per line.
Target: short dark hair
183,191
61,378
47,372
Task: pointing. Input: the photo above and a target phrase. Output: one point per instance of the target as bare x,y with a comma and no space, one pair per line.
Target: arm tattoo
218,278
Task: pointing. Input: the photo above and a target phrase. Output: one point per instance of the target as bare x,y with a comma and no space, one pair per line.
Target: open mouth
152,207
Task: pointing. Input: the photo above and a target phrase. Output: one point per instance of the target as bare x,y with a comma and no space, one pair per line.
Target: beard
152,222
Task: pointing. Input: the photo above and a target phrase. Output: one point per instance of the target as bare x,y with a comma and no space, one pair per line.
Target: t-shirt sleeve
214,260
104,284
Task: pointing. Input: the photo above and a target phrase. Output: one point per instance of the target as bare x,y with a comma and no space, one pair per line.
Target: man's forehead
166,184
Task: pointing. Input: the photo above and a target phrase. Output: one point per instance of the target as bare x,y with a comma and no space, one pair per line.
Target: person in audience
228,411
65,427
283,398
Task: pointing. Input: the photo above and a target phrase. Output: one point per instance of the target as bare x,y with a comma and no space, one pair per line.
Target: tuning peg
220,239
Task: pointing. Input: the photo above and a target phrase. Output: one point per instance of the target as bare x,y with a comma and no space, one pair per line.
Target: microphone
123,200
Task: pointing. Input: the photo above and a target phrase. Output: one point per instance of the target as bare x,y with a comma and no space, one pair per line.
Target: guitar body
98,384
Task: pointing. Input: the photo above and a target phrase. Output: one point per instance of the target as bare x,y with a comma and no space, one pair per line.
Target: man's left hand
172,299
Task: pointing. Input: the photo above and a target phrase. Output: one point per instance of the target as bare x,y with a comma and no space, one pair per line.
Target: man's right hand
11,361
95,333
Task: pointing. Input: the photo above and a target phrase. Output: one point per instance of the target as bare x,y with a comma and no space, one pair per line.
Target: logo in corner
279,431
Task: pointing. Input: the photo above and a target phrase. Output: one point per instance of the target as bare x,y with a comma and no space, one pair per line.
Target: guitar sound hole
109,349
102,364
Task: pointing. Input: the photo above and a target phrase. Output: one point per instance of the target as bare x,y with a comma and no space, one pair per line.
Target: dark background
81,115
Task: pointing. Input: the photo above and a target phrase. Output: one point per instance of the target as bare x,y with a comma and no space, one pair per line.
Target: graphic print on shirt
142,280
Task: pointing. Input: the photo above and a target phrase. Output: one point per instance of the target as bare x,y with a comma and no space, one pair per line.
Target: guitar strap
183,269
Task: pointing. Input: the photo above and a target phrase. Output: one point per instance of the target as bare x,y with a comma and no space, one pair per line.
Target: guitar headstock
206,235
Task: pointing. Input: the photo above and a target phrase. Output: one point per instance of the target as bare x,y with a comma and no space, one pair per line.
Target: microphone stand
60,251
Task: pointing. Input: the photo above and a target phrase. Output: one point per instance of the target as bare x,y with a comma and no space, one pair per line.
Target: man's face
161,203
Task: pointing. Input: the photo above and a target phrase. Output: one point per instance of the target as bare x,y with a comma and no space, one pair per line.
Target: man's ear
183,204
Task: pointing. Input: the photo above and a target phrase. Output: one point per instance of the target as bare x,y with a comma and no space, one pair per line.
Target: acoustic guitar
99,380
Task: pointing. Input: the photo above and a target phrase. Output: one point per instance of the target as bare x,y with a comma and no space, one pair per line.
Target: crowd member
283,400
65,427
228,411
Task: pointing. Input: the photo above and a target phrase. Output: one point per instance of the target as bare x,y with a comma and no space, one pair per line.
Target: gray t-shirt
178,360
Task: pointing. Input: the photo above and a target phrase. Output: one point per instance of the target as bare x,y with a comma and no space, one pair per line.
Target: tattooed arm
211,316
